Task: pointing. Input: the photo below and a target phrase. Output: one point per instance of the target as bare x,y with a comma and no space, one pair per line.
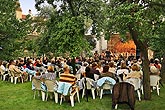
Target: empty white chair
154,82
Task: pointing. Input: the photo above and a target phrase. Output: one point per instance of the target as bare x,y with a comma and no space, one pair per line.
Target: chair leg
116,106
43,95
56,97
142,90
139,96
157,88
15,80
12,78
72,100
83,93
46,96
101,93
4,77
61,99
78,95
93,93
30,78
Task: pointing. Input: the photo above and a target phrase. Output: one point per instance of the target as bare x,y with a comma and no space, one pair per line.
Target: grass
20,97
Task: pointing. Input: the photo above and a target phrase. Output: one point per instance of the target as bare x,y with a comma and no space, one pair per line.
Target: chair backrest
89,83
78,76
36,83
14,73
50,84
96,77
107,85
1,71
154,80
136,82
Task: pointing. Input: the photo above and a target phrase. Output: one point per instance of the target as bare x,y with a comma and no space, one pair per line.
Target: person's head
105,68
135,67
99,65
156,61
94,65
111,64
66,69
12,62
87,69
123,65
50,69
151,60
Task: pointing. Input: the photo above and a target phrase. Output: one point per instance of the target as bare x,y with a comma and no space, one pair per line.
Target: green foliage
64,35
67,24
11,29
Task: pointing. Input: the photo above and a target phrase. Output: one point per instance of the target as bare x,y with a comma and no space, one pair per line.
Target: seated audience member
50,75
122,70
106,72
112,68
94,71
16,71
135,72
29,64
67,77
88,73
155,68
99,67
3,67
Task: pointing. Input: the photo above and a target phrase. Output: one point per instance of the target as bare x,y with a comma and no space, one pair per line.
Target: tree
11,29
157,44
140,18
65,24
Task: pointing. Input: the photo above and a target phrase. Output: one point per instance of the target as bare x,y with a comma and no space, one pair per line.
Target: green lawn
20,97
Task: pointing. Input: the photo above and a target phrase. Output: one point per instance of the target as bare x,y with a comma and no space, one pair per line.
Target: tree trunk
144,52
146,76
163,69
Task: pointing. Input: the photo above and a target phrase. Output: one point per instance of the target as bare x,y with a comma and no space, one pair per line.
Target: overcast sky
26,5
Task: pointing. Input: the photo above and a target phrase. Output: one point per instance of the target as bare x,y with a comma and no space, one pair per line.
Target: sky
26,5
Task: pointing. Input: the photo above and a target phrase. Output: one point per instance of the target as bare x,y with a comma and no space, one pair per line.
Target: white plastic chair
78,76
15,76
106,86
70,93
50,84
89,86
154,82
37,86
136,82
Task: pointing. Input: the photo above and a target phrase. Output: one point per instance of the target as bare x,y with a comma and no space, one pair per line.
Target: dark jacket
123,92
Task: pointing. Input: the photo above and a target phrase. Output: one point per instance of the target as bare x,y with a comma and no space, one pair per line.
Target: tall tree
139,17
65,24
11,29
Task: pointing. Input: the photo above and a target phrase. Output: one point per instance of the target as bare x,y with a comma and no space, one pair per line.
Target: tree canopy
142,18
11,29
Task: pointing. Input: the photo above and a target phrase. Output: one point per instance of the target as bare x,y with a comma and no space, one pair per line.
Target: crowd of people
104,64
118,67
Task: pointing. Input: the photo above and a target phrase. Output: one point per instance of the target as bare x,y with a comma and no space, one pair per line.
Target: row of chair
12,77
51,86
